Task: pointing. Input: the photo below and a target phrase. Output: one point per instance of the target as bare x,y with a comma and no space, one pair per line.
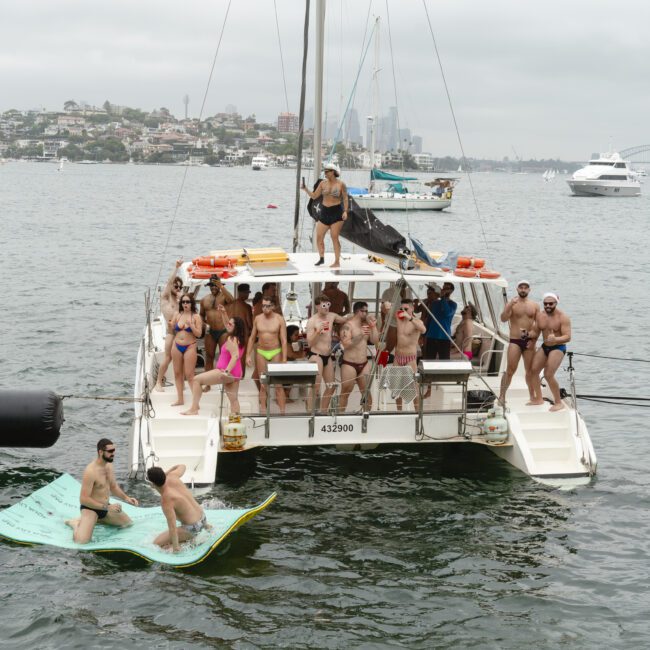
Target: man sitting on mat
177,503
97,484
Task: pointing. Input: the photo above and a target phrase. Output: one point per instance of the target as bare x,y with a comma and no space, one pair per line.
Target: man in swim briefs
319,338
169,308
356,333
97,484
555,327
521,313
270,334
409,330
214,317
177,504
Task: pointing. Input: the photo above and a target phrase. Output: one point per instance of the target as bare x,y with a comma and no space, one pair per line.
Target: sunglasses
325,304
109,451
267,306
186,302
549,304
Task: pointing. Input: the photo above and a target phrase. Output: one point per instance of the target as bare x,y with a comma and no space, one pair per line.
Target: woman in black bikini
187,325
333,211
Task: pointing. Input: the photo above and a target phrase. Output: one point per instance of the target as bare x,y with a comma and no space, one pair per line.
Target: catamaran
443,402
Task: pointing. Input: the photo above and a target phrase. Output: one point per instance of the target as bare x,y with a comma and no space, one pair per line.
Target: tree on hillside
107,107
70,105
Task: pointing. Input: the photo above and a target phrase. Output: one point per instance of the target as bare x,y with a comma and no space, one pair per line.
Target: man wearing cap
555,327
438,335
332,212
521,313
214,314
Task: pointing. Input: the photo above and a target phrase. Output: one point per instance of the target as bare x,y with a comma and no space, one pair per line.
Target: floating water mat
40,519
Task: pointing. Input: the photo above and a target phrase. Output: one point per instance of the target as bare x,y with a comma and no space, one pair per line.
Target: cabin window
611,177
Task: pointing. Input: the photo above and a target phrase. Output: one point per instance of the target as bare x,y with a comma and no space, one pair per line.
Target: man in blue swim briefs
555,327
97,484
177,504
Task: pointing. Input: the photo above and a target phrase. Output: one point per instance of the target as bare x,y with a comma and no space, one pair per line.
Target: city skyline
530,84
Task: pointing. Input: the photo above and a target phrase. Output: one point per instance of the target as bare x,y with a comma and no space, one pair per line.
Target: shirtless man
522,314
555,327
177,503
169,308
319,338
269,290
386,303
97,484
340,303
356,333
214,317
270,331
409,330
242,309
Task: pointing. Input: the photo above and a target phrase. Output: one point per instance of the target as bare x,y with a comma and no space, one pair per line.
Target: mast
375,103
318,94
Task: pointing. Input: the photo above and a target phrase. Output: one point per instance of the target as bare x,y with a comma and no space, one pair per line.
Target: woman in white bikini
333,211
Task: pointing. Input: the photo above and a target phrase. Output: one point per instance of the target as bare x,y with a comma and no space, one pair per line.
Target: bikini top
178,329
336,192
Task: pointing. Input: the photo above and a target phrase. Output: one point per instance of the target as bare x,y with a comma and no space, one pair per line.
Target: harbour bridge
638,154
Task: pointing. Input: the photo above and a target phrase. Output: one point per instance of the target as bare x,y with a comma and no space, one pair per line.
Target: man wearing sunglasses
319,338
555,327
97,484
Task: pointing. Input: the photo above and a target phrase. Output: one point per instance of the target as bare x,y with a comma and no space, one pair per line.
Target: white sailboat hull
604,188
388,201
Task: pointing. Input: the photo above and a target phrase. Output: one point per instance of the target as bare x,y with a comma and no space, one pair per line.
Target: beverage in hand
326,326
365,329
401,314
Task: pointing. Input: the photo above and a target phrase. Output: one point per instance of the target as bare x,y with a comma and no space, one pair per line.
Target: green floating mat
40,519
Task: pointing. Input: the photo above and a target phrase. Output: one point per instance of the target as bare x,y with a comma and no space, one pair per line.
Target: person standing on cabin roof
521,313
331,213
555,327
215,318
97,484
271,347
168,307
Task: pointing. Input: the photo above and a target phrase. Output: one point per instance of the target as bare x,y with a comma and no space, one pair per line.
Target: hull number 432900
337,428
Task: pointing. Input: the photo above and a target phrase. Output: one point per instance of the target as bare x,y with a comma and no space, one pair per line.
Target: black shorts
331,215
437,349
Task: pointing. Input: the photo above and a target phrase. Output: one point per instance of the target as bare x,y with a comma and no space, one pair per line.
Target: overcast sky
544,79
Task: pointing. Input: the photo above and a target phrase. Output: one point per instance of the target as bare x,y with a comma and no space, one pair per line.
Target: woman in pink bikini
187,326
228,371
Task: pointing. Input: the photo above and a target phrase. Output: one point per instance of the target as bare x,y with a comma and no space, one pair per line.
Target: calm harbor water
425,547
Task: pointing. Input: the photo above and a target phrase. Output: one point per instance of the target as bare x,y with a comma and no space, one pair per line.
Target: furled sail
379,175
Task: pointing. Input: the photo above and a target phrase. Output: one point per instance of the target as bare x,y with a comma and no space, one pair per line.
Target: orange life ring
489,275
222,262
466,273
467,262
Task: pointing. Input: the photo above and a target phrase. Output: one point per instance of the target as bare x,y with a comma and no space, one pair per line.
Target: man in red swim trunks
522,314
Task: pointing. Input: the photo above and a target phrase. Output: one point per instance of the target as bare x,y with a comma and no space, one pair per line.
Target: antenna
186,101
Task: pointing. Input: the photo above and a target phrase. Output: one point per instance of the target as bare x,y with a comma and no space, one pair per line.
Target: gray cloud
551,79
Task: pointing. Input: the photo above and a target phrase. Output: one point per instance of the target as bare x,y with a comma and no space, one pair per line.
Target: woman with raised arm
188,326
229,369
331,213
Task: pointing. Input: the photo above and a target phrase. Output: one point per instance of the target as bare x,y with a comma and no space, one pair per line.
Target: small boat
259,163
607,175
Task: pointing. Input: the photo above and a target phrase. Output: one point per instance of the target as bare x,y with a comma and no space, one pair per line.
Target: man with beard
97,484
521,312
555,327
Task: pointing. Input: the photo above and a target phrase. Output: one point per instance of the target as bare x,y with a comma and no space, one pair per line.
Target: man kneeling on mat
177,504
97,484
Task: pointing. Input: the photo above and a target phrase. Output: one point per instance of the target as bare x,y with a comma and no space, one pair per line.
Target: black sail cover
364,229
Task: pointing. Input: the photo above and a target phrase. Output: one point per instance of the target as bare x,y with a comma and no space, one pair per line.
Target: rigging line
453,115
354,86
180,191
615,397
600,356
604,401
284,79
399,129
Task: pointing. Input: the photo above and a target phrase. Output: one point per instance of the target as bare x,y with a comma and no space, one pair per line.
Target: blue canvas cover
40,519
379,175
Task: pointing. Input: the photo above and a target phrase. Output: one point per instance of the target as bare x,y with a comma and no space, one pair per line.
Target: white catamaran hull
388,201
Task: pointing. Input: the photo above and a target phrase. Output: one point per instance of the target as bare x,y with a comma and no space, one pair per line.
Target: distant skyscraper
417,144
309,118
404,139
353,132
392,136
288,123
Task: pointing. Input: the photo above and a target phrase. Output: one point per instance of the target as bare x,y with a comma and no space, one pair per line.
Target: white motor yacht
608,175
259,163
